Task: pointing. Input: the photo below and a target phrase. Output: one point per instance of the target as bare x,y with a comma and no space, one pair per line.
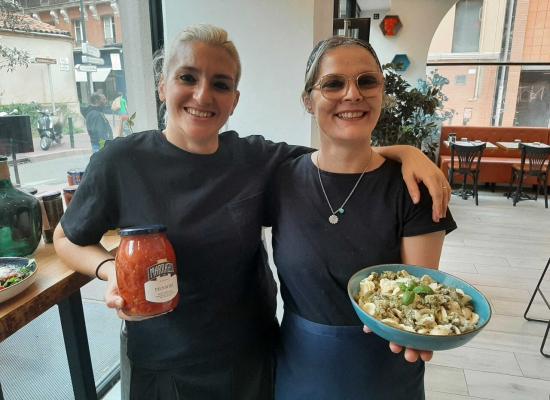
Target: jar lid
142,230
74,171
3,158
50,195
70,189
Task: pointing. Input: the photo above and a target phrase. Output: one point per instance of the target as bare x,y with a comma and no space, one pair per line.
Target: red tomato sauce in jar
146,271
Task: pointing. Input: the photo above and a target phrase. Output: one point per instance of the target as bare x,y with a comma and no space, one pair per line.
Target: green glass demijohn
20,217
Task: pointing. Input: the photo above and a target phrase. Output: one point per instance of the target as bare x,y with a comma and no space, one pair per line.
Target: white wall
420,19
138,63
274,39
24,85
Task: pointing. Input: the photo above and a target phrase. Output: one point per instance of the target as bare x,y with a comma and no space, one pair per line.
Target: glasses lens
333,85
368,81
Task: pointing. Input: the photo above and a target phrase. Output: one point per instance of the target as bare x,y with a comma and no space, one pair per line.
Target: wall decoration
390,25
401,62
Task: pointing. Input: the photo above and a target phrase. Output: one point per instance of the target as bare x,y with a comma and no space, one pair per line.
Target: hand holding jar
146,271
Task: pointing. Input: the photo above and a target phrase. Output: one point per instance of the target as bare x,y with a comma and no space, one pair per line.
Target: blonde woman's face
200,94
353,115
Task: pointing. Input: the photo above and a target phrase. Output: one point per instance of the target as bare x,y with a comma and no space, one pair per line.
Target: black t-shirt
314,258
212,206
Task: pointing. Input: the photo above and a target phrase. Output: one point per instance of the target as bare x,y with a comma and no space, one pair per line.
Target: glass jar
146,271
74,176
68,193
53,211
20,217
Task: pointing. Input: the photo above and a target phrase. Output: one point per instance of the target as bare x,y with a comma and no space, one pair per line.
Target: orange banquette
496,163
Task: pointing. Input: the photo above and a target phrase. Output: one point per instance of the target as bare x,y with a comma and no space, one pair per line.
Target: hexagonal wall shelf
401,62
390,25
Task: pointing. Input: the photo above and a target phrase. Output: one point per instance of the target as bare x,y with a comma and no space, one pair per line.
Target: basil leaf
423,289
408,298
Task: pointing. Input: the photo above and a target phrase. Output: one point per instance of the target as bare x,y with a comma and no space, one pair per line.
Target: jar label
162,283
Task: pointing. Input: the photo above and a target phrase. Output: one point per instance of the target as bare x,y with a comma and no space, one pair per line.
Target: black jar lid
142,230
50,195
70,189
3,158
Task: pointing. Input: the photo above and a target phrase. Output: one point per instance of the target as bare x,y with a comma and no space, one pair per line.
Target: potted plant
412,115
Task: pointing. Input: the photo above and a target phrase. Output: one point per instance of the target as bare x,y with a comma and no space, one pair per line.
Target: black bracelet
99,266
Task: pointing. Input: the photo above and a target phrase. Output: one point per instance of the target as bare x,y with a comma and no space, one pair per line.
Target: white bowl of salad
16,274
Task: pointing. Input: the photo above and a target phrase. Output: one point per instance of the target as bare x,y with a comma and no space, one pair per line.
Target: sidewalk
81,146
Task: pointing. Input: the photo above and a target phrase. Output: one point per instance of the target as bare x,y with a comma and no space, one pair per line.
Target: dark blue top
314,258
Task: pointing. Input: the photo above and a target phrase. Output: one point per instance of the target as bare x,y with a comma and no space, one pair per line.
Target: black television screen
18,128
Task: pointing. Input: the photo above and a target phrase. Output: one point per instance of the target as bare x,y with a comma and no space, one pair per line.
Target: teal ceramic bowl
18,264
417,340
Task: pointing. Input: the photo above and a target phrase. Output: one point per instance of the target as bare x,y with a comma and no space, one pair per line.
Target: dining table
488,145
57,284
515,145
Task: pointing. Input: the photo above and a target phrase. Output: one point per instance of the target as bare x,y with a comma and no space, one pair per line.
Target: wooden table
57,284
515,145
488,145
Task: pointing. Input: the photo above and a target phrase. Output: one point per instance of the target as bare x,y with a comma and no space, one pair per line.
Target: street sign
88,49
92,60
45,60
64,64
86,68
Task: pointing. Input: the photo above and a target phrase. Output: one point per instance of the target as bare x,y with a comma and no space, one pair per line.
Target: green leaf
423,289
408,298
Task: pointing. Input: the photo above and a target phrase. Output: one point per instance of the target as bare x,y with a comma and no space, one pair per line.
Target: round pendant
333,219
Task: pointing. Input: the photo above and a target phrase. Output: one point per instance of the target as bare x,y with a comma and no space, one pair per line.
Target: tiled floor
502,250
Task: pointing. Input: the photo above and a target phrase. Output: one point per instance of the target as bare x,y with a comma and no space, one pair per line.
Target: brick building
496,31
103,31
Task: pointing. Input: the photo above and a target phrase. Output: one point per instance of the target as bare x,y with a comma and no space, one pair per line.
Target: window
77,31
533,101
109,29
460,80
496,62
467,26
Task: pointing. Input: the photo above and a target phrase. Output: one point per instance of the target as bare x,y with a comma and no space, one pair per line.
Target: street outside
47,170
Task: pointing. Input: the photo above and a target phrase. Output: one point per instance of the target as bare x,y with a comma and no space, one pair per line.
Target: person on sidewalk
97,125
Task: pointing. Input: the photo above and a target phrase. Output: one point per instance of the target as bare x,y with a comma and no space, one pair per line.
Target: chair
534,162
537,289
468,158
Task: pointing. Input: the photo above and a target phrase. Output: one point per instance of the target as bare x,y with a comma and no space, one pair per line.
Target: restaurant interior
489,133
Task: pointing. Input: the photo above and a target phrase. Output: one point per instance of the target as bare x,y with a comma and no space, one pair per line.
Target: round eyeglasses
335,86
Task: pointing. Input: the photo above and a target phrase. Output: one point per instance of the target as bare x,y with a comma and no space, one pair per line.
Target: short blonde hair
204,33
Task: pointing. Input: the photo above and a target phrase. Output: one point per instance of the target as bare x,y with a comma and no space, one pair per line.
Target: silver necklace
333,218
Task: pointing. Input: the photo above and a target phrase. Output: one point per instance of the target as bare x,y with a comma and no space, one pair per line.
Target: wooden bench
496,163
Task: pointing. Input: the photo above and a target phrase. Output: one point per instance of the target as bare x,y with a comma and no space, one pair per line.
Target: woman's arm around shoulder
416,167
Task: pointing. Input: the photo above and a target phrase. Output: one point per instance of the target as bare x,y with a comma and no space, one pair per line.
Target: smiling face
200,94
353,116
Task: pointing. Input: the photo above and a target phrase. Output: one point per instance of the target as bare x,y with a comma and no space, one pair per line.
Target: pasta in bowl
418,307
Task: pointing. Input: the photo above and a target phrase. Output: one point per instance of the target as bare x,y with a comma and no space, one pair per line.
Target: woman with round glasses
208,189
336,211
